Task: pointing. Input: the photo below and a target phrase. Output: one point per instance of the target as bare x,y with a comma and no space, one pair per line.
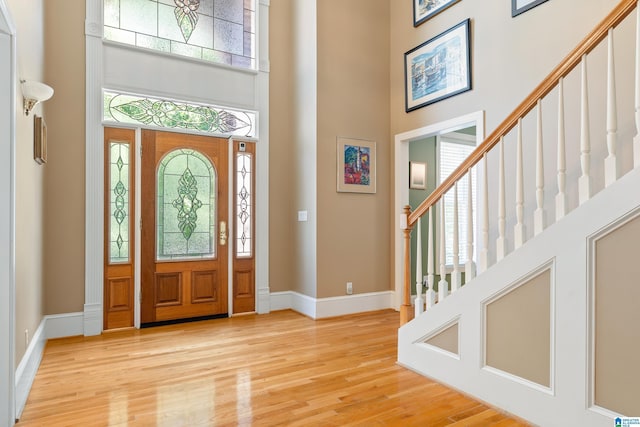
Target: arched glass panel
186,206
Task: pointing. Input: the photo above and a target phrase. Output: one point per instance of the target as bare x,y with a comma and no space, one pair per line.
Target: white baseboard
319,308
53,326
92,319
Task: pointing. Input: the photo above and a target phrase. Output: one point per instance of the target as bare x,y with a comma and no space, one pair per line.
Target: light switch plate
302,216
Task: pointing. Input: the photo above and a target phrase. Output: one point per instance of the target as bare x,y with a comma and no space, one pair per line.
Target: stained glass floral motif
186,206
187,16
243,205
221,31
177,115
119,202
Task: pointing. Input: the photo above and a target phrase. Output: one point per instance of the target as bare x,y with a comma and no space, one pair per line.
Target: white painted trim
516,379
8,111
53,326
321,308
401,151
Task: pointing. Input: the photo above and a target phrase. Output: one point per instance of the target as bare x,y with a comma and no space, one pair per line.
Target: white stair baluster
611,162
419,302
443,285
501,242
456,277
538,219
518,230
469,267
561,197
636,139
483,263
430,295
584,182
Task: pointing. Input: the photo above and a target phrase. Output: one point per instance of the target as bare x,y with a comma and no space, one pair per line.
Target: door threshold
187,320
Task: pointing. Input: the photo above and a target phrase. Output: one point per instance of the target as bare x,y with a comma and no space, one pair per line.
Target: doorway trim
401,199
7,216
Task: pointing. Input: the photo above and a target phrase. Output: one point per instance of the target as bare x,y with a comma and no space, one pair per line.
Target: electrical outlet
26,338
349,288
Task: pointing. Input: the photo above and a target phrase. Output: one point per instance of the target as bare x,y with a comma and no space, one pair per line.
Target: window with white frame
453,149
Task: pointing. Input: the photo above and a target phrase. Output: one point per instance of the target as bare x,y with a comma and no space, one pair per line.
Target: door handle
223,233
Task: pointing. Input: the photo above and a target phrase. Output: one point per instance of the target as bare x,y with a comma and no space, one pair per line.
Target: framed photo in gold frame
39,140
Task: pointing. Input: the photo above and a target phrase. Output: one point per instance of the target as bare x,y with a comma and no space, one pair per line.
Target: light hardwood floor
269,370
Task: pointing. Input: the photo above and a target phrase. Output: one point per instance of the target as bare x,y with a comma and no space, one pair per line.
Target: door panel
184,204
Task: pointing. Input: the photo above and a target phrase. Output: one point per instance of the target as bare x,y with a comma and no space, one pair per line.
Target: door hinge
140,151
140,223
140,296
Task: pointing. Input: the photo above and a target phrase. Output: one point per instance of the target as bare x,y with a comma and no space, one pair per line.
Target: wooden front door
184,226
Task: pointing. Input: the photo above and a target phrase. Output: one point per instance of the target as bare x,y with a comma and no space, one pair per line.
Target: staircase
547,328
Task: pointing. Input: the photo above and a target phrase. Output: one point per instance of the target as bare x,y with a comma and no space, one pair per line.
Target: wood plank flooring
280,369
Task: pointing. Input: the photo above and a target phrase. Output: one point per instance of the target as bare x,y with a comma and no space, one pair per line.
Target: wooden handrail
565,67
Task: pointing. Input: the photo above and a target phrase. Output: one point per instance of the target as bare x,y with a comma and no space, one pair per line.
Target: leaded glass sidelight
164,113
186,206
119,208
222,31
244,208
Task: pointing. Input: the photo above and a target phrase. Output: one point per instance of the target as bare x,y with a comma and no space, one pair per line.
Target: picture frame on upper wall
356,167
438,68
39,140
417,175
425,9
521,6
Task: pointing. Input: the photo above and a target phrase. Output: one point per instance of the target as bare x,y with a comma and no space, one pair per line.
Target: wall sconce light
34,92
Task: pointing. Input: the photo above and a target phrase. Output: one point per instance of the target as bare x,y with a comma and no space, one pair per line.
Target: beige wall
353,101
518,330
617,320
64,181
28,18
447,339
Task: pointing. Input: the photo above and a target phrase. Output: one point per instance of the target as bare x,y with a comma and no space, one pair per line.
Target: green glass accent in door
119,202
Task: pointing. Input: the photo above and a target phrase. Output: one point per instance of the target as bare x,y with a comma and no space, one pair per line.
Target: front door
184,226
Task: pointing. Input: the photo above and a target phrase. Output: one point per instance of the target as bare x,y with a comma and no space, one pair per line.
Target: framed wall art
425,9
356,165
39,140
417,175
438,68
521,6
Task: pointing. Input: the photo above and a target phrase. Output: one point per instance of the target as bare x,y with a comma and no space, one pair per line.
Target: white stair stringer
564,247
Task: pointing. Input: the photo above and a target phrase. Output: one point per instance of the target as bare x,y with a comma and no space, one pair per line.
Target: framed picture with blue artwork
425,9
356,165
438,68
521,6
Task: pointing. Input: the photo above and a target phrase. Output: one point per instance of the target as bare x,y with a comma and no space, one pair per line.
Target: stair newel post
611,162
483,259
430,293
561,197
469,267
518,231
584,182
538,218
636,139
501,243
443,285
456,280
419,303
405,309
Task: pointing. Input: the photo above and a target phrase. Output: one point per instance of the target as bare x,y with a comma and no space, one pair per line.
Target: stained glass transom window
186,219
119,213
244,208
222,31
135,109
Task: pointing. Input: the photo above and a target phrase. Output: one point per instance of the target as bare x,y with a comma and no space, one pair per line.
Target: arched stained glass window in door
186,206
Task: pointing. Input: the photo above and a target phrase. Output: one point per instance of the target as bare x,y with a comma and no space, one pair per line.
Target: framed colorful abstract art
356,165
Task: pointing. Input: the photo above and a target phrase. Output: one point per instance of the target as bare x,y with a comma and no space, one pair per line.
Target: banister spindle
405,309
561,197
538,219
469,267
418,304
501,243
584,182
518,229
636,139
483,263
430,294
456,280
610,163
443,285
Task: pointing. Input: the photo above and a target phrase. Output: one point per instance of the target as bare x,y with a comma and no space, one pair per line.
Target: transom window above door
220,31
